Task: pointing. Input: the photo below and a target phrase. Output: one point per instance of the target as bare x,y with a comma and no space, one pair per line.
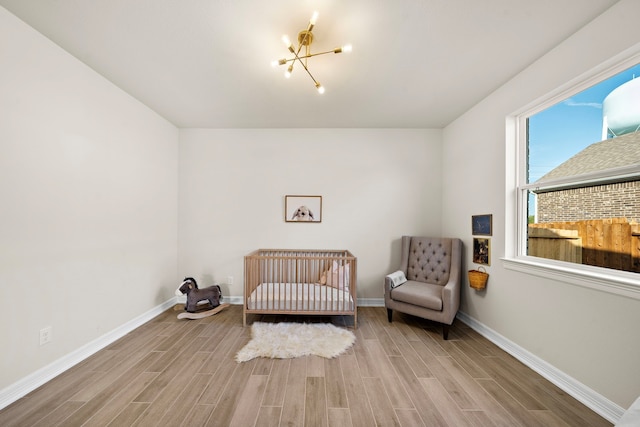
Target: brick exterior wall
619,200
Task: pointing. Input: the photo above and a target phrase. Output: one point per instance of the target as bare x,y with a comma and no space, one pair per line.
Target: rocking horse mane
190,279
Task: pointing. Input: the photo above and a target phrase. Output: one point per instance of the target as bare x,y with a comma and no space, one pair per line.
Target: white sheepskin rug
288,340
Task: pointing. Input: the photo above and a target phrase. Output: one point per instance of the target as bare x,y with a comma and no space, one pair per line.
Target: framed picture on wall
482,250
303,209
481,225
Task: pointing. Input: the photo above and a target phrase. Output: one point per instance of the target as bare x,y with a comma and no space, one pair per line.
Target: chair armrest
451,299
451,291
388,283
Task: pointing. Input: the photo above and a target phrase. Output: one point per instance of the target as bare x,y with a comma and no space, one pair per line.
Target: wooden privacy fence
611,243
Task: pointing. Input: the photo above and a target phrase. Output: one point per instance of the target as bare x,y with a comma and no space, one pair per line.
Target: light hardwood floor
173,372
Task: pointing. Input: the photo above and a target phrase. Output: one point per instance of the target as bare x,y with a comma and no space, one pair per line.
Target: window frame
604,279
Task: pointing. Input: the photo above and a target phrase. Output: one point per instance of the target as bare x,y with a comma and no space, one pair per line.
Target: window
578,183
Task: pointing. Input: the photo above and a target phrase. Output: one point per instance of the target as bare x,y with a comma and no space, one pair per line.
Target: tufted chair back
429,260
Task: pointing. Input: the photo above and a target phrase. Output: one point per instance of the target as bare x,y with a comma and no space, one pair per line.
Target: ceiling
206,63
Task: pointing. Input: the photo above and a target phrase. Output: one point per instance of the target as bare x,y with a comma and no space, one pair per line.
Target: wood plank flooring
172,372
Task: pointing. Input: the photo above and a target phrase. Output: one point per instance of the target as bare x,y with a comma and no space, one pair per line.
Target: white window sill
606,280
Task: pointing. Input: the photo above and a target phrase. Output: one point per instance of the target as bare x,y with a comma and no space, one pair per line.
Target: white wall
589,335
376,185
88,203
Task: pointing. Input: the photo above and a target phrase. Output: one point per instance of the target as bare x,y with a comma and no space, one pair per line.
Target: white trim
29,383
605,280
370,302
231,300
585,395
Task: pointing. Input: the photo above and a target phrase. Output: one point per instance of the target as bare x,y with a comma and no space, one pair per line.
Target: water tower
621,110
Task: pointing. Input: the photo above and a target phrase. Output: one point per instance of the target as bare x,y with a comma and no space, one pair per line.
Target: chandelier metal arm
299,59
311,55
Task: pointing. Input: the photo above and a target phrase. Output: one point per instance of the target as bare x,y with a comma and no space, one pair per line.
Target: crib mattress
299,297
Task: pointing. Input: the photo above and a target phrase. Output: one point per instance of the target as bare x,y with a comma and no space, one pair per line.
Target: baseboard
233,300
370,302
29,383
585,395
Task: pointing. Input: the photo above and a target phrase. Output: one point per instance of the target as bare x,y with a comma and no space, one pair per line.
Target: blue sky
559,132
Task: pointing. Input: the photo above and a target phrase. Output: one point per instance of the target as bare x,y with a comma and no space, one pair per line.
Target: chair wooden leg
389,314
445,332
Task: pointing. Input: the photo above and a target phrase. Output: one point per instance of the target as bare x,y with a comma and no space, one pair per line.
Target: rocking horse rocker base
203,313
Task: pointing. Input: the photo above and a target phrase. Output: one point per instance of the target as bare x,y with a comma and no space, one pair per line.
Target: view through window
582,188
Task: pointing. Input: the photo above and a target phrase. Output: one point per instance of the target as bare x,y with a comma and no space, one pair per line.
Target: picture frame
482,250
481,225
303,209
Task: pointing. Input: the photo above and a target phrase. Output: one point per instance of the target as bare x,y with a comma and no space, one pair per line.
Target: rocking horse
212,295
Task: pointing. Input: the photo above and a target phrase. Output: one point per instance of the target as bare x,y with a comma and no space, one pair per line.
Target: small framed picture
482,250
303,208
481,225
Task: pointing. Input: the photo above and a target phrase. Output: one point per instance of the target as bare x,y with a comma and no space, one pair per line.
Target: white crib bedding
299,297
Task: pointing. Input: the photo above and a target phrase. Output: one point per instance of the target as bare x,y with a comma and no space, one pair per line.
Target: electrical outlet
46,335
229,280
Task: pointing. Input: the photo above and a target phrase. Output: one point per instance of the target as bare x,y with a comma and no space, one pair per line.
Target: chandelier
305,39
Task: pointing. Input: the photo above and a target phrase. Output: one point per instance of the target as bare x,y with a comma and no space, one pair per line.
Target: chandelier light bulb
320,88
314,18
347,48
286,41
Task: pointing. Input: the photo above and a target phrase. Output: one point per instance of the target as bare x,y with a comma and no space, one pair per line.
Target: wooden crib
302,282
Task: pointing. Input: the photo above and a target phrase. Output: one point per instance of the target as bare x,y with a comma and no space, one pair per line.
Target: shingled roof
599,156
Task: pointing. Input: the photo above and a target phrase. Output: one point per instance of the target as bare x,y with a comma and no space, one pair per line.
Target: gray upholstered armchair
427,283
